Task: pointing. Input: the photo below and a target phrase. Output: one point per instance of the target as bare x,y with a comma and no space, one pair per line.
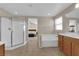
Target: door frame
12,35
37,30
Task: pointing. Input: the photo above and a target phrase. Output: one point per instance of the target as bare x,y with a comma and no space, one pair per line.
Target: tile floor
32,49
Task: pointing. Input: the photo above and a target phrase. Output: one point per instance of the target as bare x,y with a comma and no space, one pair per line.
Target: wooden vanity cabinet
67,46
60,42
2,49
75,47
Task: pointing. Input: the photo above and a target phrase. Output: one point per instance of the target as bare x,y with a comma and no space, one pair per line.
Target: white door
6,31
18,33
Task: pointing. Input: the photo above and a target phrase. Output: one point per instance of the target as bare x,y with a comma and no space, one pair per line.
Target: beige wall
77,29
45,25
4,13
65,24
65,19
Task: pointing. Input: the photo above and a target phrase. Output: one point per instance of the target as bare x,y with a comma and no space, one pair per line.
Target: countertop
69,34
1,43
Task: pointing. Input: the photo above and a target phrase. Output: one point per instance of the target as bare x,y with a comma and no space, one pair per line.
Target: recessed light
48,13
77,5
15,12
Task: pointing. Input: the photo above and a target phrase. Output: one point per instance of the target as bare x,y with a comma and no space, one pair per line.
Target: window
58,23
72,25
72,22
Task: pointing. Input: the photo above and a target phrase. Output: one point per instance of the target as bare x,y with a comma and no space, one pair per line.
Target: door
6,31
17,33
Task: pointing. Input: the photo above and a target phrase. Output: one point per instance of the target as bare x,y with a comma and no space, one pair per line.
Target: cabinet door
60,42
75,47
2,50
67,46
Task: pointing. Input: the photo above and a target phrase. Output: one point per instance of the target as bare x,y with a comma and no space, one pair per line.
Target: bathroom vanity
68,43
2,48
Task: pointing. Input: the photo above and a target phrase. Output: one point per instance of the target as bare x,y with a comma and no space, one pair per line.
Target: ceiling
74,13
34,9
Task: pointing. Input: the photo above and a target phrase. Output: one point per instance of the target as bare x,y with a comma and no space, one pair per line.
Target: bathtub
48,40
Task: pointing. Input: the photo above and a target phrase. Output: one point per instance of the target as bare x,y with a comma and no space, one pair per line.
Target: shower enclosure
13,31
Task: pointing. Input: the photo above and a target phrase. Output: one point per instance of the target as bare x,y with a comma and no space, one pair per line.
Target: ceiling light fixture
77,5
15,12
48,13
